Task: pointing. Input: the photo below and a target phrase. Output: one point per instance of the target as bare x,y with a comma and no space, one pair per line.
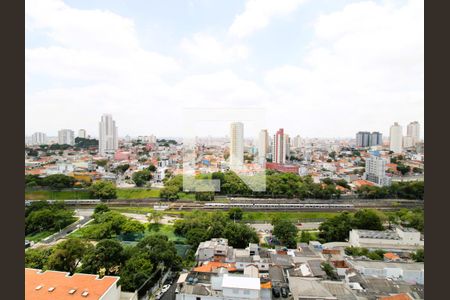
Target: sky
317,68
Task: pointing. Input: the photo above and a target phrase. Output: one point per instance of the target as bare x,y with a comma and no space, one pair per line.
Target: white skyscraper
396,138
263,146
82,133
38,138
237,144
66,136
413,131
108,141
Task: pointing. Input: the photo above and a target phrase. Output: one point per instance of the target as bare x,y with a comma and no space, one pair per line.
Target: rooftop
60,285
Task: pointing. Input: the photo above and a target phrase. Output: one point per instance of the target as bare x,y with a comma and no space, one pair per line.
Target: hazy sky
319,68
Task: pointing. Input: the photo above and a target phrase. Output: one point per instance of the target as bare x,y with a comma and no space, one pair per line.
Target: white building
407,239
410,272
82,133
396,138
413,131
66,136
223,286
376,171
263,146
236,145
38,138
108,141
408,141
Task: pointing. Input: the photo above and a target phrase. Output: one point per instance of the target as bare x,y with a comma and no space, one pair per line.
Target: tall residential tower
396,138
108,141
237,145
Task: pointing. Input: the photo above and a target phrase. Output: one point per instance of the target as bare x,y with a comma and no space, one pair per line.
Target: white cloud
363,69
259,13
206,49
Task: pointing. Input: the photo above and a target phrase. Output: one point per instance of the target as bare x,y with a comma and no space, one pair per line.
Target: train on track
217,205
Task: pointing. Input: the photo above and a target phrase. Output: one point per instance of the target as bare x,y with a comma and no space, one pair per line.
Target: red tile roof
62,283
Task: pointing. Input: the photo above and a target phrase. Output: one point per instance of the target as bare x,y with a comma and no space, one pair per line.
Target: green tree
37,258
140,178
239,235
135,272
152,168
336,229
235,213
103,190
330,271
107,254
101,208
169,193
132,227
419,255
67,255
305,236
101,162
286,232
58,181
368,219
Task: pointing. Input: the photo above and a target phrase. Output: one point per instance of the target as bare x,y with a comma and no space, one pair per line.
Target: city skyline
319,69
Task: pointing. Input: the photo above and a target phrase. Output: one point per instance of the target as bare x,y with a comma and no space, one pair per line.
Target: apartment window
246,292
198,298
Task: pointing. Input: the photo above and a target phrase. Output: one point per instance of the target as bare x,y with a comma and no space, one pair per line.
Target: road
170,294
83,215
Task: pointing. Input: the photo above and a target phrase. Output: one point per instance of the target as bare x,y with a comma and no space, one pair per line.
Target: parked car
284,292
276,292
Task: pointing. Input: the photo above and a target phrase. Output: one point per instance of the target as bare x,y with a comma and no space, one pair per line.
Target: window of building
235,291
246,292
198,298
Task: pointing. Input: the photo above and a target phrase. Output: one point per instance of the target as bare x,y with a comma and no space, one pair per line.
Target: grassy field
56,195
137,193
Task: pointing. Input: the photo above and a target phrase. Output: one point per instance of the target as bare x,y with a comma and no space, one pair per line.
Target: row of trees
201,226
397,190
285,185
43,216
134,264
55,182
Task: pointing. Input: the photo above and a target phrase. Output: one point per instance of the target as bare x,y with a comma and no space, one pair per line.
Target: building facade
280,145
413,131
236,145
376,171
82,133
396,138
263,146
38,138
66,136
108,140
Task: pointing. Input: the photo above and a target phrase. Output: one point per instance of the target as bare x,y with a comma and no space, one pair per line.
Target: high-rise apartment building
363,139
82,133
296,142
280,147
376,138
108,141
236,145
66,136
396,138
413,131
376,171
263,146
38,138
